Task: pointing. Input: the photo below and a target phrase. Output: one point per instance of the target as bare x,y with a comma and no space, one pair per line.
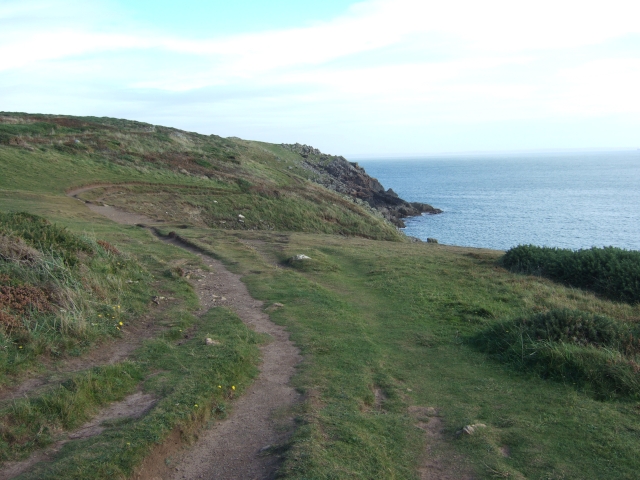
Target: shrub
610,271
591,350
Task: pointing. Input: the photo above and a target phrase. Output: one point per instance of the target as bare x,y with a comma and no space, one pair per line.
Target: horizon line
391,156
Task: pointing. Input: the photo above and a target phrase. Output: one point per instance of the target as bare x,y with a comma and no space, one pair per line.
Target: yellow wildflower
121,324
233,387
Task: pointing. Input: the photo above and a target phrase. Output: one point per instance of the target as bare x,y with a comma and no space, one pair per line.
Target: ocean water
569,200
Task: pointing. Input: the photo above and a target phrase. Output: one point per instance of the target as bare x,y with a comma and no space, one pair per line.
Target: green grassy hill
173,175
404,344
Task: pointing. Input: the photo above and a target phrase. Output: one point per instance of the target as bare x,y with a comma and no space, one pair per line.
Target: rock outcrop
338,174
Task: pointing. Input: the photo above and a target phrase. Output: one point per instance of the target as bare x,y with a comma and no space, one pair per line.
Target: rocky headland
340,175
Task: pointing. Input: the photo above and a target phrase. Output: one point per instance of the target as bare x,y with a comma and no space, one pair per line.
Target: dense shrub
591,350
610,271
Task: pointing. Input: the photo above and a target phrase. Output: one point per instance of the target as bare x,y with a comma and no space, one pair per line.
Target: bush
610,271
586,349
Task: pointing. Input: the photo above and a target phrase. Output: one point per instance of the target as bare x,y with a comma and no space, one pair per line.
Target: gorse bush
591,350
609,271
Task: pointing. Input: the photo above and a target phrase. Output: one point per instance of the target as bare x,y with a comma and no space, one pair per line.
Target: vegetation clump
59,291
610,271
593,350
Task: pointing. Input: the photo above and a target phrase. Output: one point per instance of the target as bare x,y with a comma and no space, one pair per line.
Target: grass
274,209
32,423
60,293
193,383
593,351
383,325
396,318
267,185
180,376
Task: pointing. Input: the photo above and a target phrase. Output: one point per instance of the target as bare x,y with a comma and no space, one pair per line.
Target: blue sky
380,77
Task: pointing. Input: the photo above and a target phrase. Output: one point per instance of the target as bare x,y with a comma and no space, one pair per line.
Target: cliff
340,175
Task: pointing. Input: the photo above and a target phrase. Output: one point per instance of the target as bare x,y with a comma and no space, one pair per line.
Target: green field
395,336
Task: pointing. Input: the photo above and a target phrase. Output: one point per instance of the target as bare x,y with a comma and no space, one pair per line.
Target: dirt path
105,354
133,406
236,447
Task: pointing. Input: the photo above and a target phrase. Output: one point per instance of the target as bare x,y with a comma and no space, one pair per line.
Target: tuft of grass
60,292
594,351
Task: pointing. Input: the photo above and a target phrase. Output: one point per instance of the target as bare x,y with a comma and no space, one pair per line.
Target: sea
569,200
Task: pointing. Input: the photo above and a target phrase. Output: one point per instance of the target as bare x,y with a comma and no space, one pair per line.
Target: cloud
413,62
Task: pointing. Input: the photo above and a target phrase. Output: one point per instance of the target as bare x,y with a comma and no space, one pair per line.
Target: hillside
272,186
164,294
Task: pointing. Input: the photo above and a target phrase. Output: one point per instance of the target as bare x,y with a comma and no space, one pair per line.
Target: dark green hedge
610,271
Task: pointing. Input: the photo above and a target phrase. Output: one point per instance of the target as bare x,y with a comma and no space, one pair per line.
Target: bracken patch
21,299
108,247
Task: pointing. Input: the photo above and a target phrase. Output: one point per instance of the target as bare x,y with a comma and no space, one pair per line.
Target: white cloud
419,61
604,87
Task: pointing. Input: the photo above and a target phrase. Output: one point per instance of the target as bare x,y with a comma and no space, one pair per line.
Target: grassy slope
158,367
369,316
53,154
396,317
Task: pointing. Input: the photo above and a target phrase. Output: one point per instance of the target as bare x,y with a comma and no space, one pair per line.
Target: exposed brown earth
242,445
439,462
238,447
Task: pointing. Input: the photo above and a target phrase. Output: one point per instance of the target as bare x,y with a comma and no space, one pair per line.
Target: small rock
470,429
210,341
301,257
432,240
183,171
223,299
241,217
277,305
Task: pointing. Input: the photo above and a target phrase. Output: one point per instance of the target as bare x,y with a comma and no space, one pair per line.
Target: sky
370,78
